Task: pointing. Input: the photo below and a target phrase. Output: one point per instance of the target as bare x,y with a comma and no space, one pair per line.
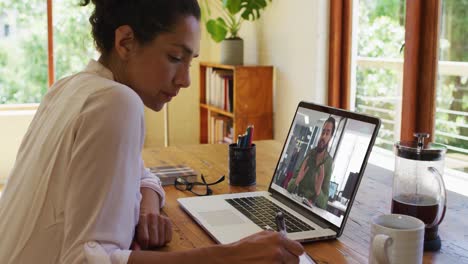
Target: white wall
13,126
293,37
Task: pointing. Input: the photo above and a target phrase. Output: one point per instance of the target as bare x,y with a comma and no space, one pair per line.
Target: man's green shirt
306,187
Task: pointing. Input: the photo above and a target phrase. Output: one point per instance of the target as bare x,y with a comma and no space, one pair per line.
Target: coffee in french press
418,186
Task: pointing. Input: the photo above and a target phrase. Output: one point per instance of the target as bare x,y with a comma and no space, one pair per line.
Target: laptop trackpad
221,218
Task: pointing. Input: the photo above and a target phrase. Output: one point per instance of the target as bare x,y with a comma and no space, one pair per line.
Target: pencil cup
242,169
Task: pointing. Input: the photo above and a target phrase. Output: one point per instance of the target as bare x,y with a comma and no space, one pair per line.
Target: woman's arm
153,229
149,180
264,247
150,201
102,196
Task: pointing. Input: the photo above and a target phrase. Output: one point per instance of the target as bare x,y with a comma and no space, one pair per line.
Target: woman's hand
264,247
153,229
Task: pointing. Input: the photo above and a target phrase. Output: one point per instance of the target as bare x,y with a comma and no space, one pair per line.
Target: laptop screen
322,159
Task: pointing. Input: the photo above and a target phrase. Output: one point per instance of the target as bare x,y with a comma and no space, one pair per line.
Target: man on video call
312,177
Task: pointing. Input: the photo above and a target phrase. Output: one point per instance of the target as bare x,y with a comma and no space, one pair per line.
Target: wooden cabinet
250,102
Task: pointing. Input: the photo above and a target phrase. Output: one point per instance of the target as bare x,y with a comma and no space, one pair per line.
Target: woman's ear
125,41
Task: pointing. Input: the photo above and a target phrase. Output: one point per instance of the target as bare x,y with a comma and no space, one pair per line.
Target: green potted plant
225,28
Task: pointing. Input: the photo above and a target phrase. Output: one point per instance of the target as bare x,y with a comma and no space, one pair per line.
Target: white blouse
73,195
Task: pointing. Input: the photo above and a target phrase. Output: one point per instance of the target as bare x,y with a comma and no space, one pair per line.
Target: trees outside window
378,80
24,53
379,58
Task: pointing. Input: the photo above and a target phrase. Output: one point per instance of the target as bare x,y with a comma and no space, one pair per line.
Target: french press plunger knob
421,137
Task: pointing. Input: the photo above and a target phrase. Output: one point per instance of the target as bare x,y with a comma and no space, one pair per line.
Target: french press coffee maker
418,186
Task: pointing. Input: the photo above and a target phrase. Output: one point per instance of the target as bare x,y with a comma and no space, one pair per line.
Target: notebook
336,155
168,174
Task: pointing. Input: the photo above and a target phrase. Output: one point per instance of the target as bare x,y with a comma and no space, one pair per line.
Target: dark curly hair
147,18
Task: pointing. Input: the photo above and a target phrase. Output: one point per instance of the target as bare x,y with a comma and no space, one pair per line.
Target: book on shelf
219,88
169,173
227,140
208,84
220,128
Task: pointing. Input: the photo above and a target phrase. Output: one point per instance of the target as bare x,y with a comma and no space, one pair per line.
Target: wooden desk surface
374,197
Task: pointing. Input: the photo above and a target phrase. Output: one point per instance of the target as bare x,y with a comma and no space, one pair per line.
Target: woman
79,192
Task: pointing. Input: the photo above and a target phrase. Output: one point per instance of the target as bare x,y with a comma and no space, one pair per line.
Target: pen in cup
245,140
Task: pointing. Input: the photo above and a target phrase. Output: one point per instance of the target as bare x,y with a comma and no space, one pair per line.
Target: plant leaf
217,29
251,8
233,6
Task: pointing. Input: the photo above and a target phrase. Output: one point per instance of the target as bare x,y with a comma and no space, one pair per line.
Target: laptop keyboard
263,211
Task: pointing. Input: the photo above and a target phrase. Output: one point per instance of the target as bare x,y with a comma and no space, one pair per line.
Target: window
395,73
24,48
378,62
451,119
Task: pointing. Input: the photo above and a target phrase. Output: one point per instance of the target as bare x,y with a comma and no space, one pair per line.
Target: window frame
419,68
339,53
50,44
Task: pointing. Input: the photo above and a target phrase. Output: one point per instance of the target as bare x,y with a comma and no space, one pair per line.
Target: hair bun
95,2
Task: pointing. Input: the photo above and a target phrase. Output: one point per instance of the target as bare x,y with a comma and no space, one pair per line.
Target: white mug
395,239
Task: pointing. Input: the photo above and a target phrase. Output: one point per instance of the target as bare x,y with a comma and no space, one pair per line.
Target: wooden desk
374,197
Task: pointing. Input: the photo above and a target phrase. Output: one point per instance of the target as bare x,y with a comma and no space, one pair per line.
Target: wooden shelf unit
252,100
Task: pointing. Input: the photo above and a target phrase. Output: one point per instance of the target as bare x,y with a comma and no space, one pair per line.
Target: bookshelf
233,97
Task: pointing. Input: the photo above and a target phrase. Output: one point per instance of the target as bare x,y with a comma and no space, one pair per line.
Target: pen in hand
280,224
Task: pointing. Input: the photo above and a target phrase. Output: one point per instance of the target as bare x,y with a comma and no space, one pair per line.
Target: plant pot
232,51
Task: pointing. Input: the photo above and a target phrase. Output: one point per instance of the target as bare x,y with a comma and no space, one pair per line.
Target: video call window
321,162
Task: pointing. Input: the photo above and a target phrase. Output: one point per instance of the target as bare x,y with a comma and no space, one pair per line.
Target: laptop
312,213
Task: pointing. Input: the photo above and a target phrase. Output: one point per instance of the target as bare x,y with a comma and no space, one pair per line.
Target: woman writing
79,192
